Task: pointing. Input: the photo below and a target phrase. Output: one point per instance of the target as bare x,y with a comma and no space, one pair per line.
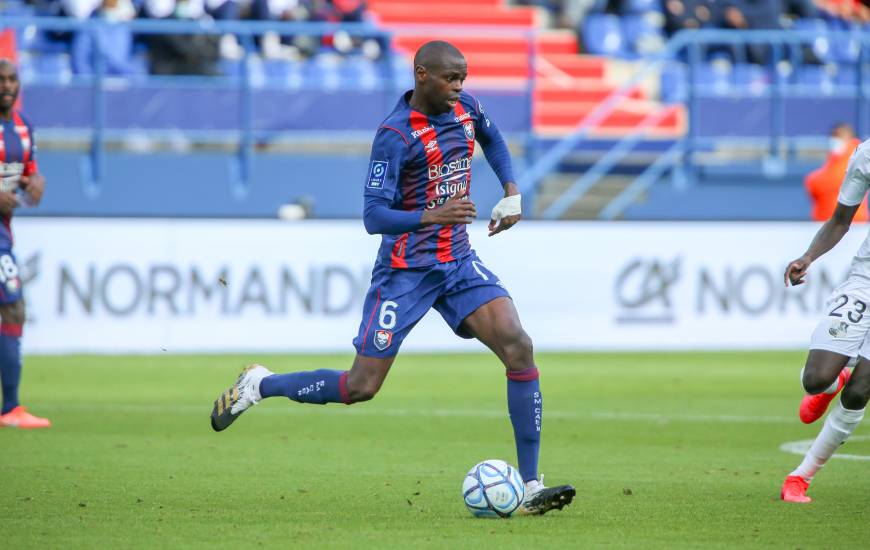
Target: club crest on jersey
383,338
431,145
469,130
378,173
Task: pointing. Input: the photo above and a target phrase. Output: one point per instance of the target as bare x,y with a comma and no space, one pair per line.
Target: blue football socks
10,365
318,386
525,406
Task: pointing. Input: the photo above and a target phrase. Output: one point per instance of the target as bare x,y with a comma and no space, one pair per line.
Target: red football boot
813,407
20,418
794,489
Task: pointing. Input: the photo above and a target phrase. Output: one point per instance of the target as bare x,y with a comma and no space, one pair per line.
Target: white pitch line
293,408
801,447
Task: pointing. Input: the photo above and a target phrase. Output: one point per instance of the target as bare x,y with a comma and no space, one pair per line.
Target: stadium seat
641,6
323,70
847,49
821,45
847,75
53,67
602,35
713,78
360,72
642,34
674,87
815,78
751,78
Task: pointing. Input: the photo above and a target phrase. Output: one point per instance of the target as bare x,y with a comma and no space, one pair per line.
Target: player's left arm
508,211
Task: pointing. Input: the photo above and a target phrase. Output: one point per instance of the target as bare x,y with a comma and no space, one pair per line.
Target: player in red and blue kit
417,196
21,184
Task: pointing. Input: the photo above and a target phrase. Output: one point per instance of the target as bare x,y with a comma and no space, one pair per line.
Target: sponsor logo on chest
424,130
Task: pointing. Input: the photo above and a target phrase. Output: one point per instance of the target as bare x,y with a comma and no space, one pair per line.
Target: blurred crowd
695,14
199,54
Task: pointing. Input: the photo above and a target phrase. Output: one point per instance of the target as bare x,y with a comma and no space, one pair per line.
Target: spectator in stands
766,14
691,14
114,42
178,54
823,184
848,10
347,11
275,46
80,9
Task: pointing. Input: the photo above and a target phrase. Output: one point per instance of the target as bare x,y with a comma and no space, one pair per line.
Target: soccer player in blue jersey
417,198
20,184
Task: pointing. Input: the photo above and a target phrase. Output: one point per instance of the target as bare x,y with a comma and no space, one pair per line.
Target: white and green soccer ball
493,489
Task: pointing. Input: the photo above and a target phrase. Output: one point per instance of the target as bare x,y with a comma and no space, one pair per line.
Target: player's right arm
852,192
389,153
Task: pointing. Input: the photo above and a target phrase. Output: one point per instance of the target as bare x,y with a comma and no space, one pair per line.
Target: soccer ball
493,489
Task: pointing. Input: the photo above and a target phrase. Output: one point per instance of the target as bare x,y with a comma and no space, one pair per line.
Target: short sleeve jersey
852,192
17,158
417,163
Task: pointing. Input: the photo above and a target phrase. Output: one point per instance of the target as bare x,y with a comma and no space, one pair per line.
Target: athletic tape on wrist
508,206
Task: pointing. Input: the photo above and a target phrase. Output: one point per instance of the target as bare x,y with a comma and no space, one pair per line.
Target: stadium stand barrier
782,91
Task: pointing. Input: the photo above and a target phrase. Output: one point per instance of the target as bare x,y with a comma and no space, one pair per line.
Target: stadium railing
688,48
246,135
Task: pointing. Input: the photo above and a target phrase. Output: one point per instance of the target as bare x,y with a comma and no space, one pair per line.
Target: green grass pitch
666,451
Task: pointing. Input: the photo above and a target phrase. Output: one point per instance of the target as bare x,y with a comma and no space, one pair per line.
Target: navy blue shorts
399,298
10,282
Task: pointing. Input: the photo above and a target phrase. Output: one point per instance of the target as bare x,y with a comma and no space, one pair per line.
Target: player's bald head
436,55
9,86
7,65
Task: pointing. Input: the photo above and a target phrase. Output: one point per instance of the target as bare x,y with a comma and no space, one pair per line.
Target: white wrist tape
508,206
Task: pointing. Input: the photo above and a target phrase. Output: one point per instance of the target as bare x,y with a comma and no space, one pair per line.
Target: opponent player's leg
11,323
839,425
823,376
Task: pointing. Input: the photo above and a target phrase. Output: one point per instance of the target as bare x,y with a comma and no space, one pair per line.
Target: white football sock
838,427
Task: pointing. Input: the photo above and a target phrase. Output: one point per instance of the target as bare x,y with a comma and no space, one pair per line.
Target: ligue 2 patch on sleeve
378,174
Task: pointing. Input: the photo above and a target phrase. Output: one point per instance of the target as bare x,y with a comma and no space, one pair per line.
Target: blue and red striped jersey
17,158
417,163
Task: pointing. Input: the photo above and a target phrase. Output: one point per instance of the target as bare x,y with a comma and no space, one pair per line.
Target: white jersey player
841,339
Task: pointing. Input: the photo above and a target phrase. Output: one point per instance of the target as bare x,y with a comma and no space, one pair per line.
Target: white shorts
845,328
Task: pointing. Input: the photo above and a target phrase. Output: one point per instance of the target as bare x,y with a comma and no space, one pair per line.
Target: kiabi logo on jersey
469,130
424,130
463,116
446,169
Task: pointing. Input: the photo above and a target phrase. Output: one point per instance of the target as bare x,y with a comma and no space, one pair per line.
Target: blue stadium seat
403,71
713,78
847,50
642,34
359,72
847,75
751,78
53,67
674,82
821,45
323,70
641,6
230,67
602,35
815,79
